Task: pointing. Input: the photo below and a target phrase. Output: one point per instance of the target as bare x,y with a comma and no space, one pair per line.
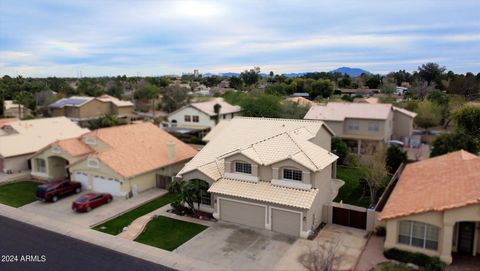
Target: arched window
418,234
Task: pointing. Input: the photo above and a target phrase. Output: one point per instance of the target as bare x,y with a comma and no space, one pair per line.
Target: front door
466,237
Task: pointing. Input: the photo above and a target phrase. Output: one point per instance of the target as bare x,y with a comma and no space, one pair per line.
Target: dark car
87,202
52,191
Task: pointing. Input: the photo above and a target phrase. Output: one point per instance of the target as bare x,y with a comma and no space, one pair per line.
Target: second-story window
292,174
373,127
243,167
188,118
195,118
353,125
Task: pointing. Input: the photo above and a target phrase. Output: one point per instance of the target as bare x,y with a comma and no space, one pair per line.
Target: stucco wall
16,163
402,125
323,139
53,168
444,220
94,108
336,126
179,116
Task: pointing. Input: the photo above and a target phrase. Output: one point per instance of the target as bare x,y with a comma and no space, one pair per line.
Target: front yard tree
395,157
428,115
196,188
375,173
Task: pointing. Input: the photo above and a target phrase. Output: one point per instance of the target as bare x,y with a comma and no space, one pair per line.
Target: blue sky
147,37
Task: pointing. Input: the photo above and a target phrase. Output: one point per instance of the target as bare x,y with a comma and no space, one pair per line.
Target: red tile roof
437,184
74,146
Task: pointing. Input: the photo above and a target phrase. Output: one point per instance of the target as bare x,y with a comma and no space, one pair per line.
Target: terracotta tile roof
265,192
74,146
441,183
139,148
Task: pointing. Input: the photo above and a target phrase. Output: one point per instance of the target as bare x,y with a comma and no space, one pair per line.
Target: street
25,247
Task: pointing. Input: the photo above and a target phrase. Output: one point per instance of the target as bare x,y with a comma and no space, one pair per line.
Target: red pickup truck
52,191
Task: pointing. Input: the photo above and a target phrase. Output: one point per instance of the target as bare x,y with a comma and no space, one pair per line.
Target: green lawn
352,192
168,233
116,225
392,267
18,194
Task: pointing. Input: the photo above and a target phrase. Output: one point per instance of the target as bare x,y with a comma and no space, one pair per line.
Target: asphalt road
25,247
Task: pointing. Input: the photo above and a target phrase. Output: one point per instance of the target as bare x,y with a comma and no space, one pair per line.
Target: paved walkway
349,241
149,253
139,224
372,255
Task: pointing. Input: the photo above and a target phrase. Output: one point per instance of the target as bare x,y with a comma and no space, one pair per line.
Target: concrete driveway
349,243
61,210
237,247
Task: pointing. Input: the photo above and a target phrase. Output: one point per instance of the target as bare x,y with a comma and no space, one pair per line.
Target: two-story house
364,127
82,109
274,174
201,117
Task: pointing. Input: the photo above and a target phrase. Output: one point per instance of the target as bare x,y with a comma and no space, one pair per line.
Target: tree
375,174
235,82
373,81
395,157
468,121
148,93
174,97
431,72
23,98
292,110
260,105
466,85
250,77
428,115
340,148
322,256
196,188
450,142
323,88
108,120
345,82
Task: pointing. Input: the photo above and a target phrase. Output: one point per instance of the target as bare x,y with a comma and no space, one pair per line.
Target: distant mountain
295,74
350,71
229,74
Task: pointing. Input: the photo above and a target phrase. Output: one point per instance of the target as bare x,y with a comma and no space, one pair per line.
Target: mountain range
353,72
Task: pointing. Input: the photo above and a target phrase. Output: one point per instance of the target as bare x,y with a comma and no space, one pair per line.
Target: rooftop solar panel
68,101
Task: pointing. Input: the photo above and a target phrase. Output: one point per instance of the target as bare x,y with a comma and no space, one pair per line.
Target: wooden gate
349,218
163,181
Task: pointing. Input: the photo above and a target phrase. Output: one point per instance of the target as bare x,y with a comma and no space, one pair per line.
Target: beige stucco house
365,127
121,160
11,109
435,207
201,117
20,139
266,173
81,109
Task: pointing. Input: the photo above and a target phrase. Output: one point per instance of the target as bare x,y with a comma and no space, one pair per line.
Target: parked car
52,191
87,202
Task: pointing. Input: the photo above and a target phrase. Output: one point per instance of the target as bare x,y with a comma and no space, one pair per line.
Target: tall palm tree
216,109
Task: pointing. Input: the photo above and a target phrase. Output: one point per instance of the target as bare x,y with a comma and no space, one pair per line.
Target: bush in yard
352,160
420,259
340,148
395,157
380,231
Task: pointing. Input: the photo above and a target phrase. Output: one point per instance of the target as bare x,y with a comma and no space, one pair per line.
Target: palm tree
197,187
216,109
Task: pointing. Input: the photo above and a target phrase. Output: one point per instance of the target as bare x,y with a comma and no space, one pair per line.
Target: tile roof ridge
309,158
280,119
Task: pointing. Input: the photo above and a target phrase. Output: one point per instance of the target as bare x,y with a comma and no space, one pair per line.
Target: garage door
81,178
286,222
101,184
242,213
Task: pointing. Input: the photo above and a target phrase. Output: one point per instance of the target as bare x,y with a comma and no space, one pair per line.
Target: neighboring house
201,117
82,109
119,160
20,139
369,100
357,91
365,127
300,101
274,174
435,207
11,109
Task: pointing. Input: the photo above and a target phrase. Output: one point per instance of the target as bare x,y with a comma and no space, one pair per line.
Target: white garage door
81,178
101,184
286,222
242,213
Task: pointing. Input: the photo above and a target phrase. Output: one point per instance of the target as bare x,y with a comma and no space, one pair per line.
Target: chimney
171,152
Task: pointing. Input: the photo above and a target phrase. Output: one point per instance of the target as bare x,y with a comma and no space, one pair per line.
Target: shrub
395,157
352,160
380,231
340,148
420,259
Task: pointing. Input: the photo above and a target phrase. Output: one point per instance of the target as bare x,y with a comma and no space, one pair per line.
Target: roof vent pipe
171,151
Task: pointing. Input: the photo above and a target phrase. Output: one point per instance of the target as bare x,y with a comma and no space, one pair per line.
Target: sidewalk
138,225
152,254
372,255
